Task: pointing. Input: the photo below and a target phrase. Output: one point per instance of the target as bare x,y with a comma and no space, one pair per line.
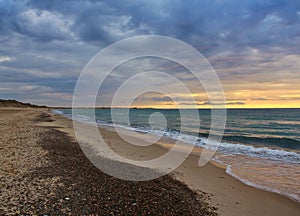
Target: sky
253,45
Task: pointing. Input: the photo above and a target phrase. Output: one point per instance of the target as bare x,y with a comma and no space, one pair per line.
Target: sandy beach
43,170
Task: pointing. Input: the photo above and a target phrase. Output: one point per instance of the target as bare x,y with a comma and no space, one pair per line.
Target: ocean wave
260,152
282,142
59,112
233,148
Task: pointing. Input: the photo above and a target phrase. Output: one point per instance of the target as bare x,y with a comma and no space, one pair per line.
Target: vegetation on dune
15,103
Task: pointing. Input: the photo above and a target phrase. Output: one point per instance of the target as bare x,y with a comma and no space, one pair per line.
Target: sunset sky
253,45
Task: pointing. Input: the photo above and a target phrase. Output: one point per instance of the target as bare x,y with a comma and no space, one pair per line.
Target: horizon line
67,107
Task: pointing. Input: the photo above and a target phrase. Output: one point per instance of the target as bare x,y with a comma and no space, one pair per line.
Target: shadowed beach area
44,171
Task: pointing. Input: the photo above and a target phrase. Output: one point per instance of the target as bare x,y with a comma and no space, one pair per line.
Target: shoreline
232,196
197,152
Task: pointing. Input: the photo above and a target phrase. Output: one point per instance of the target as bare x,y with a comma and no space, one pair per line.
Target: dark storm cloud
239,23
47,43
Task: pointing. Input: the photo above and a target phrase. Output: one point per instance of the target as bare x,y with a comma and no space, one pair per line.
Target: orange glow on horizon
248,104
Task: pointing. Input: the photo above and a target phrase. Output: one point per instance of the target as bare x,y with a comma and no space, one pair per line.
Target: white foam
260,152
238,149
58,112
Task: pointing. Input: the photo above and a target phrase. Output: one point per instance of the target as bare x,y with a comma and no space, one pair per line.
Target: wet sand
49,169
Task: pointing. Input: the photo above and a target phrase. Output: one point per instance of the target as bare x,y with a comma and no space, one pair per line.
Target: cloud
5,59
160,99
221,103
260,99
43,25
247,42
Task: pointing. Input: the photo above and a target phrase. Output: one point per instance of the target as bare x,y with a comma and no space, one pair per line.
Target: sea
260,147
